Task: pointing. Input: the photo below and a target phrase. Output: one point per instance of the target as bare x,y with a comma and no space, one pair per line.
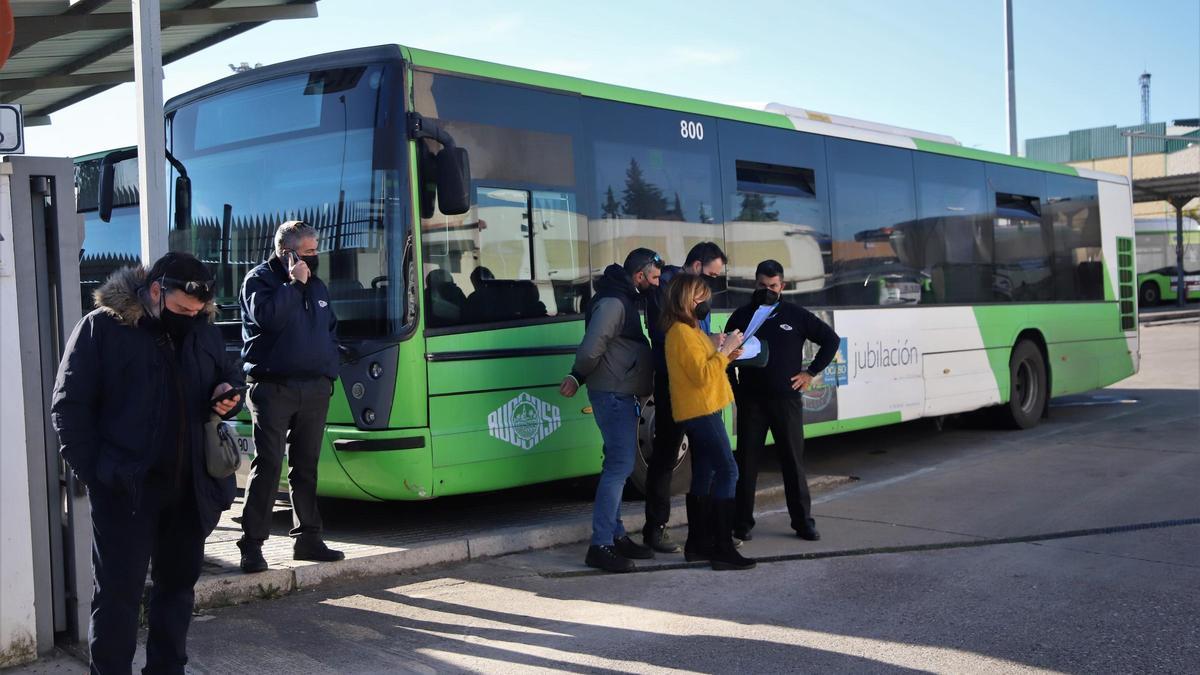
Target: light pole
1009,79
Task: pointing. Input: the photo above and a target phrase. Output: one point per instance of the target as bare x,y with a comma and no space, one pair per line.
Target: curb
1165,316
235,589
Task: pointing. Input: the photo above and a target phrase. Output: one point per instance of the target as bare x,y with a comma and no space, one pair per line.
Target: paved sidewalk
381,539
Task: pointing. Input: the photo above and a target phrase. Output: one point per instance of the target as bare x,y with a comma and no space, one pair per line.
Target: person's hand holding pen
731,344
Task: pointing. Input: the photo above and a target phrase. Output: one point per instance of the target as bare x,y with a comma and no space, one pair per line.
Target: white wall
18,629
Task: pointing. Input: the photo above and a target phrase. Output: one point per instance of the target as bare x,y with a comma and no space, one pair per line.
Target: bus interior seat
444,300
504,300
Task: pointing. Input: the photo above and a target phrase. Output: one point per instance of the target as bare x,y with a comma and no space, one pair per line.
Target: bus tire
1149,294
1028,386
681,476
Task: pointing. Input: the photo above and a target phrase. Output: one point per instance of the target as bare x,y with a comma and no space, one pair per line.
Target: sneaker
314,549
252,558
657,538
606,558
629,548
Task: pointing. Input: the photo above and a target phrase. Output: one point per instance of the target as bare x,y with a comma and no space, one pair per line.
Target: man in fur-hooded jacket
134,389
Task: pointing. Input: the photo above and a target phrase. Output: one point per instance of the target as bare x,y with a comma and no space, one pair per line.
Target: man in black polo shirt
772,397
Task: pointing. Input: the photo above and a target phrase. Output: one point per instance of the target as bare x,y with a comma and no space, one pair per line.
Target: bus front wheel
1149,293
1028,386
681,475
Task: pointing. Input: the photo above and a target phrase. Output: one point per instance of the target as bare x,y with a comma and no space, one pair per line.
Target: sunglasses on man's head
657,261
201,290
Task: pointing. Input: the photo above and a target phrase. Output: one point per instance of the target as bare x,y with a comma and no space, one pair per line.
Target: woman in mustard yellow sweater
699,392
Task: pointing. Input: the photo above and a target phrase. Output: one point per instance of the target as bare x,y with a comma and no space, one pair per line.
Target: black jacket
110,397
785,332
655,299
288,328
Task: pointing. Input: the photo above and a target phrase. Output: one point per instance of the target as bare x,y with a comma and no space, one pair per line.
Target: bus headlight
376,370
368,416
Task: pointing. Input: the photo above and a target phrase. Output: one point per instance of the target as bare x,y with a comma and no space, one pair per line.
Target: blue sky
936,65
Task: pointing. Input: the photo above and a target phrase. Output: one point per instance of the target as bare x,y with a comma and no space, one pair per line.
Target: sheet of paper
750,348
756,321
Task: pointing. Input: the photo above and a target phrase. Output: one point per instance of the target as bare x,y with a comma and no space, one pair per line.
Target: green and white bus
958,279
1156,270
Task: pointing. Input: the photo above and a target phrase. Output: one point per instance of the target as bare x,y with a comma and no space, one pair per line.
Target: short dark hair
769,268
182,272
705,252
639,259
481,274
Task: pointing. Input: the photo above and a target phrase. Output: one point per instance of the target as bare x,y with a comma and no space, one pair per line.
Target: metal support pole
1009,79
1180,281
148,75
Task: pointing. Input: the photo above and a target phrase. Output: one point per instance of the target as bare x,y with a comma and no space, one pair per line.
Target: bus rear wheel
1028,386
1149,294
681,474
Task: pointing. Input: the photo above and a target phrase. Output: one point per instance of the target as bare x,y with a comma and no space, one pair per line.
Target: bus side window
953,231
874,207
1023,241
776,208
1073,209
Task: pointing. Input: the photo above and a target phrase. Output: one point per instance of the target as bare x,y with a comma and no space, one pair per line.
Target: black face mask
311,261
714,283
176,325
702,310
764,296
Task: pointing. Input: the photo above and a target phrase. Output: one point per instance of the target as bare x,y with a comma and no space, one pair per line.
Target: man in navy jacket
291,361
133,393
773,398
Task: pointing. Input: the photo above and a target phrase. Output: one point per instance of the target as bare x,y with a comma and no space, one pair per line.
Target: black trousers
785,419
288,415
165,533
667,437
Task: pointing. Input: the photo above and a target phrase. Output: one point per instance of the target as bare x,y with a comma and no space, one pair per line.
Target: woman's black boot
725,555
699,537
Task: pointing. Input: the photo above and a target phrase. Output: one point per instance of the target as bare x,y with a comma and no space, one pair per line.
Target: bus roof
100,154
775,116
1153,225
857,130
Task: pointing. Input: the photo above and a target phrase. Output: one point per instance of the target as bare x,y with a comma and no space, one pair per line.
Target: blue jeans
714,473
617,416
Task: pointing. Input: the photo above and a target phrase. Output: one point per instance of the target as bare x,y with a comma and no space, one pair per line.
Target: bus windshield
303,147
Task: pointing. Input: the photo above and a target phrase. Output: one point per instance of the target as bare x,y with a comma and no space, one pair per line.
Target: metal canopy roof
1179,188
68,50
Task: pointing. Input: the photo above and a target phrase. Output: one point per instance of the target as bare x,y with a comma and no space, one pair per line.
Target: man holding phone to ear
291,361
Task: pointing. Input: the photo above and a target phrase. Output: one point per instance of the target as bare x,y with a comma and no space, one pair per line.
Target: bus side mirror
105,195
183,202
107,186
453,181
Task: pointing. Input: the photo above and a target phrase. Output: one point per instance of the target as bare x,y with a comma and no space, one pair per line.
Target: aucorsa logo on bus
524,421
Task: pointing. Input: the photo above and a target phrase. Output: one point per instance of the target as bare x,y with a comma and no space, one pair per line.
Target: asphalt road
1072,547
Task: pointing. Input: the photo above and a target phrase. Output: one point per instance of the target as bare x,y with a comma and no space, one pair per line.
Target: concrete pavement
1122,601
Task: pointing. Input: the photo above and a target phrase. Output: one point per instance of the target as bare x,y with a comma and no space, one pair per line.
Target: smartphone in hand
228,394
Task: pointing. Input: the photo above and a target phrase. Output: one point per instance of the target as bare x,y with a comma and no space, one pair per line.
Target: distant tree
611,207
641,198
243,67
703,216
756,208
678,210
